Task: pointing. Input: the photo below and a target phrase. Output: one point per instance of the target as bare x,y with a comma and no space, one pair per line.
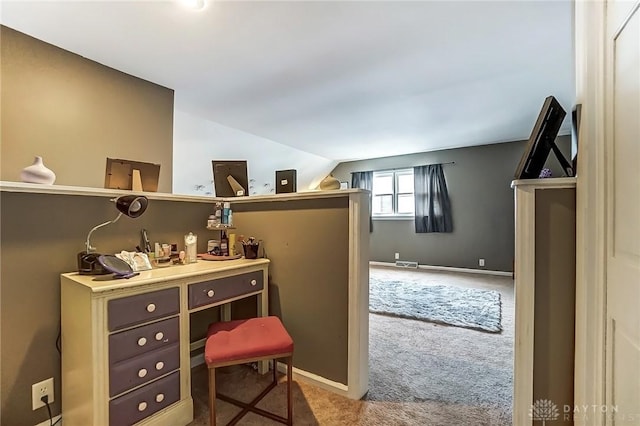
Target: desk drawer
132,310
208,292
136,371
141,403
130,343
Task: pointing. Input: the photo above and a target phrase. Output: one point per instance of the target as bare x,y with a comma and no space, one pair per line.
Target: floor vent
406,264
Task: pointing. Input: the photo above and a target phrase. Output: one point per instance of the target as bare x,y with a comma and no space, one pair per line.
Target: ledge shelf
34,188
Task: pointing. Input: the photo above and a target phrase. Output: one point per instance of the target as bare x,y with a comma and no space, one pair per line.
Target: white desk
125,343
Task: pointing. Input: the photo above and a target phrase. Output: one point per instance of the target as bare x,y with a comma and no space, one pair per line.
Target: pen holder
251,250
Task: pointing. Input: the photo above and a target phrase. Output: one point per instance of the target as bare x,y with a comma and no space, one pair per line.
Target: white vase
38,173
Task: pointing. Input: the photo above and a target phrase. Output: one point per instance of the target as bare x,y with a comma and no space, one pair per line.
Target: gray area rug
452,305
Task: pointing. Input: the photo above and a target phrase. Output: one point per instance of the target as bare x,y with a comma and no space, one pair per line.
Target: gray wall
75,113
481,199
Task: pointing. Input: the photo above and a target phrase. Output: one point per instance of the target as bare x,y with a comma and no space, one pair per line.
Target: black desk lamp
131,205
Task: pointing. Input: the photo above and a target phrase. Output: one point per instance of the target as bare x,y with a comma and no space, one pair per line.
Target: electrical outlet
480,262
397,256
39,390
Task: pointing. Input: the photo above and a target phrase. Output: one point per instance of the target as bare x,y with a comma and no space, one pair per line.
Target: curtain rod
404,168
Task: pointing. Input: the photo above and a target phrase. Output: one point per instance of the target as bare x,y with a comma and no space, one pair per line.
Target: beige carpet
422,374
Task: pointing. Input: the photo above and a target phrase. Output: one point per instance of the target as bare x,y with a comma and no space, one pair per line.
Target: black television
230,178
542,140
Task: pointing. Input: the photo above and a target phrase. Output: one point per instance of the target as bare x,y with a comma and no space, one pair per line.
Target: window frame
395,195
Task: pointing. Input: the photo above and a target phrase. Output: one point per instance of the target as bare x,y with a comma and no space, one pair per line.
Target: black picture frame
236,169
542,141
576,116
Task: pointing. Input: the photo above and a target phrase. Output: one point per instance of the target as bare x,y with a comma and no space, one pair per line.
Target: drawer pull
159,365
142,406
142,341
210,293
142,372
254,282
160,397
159,335
151,307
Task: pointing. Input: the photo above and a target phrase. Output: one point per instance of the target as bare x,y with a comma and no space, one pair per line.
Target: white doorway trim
590,36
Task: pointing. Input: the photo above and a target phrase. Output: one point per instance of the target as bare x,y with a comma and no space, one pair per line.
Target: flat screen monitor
542,140
230,178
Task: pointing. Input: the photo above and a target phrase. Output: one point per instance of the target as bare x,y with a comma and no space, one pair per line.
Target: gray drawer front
132,310
124,375
130,343
124,411
224,288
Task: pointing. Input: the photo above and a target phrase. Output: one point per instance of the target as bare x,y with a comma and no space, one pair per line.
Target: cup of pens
250,248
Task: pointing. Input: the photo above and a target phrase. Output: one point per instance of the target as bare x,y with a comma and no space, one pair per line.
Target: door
622,383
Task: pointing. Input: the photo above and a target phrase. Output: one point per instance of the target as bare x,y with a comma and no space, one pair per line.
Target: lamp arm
88,244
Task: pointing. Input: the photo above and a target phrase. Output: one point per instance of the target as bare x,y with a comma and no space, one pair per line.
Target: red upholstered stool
245,341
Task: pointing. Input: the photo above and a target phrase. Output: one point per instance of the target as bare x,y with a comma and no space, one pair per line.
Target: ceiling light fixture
194,4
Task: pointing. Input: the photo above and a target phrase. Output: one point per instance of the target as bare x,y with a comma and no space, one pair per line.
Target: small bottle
218,214
190,247
225,213
224,244
230,218
211,222
232,244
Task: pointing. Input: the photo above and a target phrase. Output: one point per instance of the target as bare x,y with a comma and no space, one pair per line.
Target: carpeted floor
423,374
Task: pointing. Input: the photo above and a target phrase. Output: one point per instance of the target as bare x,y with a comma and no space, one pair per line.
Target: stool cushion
244,339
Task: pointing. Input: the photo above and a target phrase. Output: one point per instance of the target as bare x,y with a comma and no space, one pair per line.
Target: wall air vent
406,264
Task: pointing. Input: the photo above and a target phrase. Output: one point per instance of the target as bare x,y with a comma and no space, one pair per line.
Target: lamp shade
132,205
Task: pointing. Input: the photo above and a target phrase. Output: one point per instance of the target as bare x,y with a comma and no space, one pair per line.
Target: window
393,193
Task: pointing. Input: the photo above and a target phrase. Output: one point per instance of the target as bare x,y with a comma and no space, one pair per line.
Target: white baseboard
48,422
197,360
302,375
314,379
197,344
448,269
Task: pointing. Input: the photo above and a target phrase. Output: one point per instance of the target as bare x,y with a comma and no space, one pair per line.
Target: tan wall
555,289
308,276
40,235
75,113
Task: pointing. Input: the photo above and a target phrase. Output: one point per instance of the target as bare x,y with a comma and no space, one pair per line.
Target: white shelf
35,188
546,183
220,227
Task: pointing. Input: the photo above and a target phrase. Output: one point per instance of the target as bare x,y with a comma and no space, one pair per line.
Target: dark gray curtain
433,208
364,180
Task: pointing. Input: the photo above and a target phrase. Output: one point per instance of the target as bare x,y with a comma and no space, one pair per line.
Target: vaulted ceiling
342,80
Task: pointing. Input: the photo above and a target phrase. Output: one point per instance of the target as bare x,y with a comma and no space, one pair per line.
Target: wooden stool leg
289,396
212,396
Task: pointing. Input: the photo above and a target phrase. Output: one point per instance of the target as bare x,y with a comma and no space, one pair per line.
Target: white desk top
100,283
